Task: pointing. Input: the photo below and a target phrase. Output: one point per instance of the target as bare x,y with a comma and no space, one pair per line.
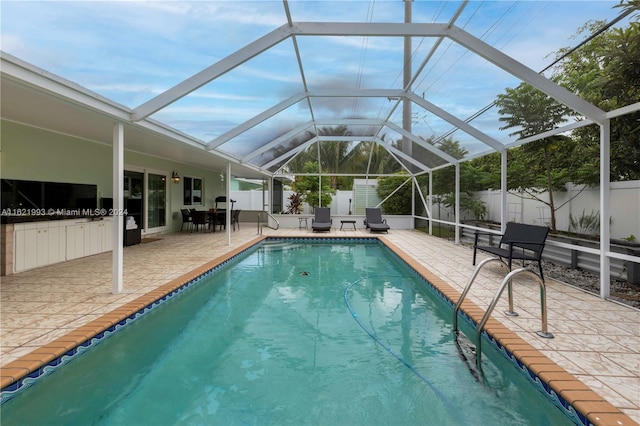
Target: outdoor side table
302,220
353,222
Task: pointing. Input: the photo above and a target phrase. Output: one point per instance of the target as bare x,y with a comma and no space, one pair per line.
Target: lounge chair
322,221
374,221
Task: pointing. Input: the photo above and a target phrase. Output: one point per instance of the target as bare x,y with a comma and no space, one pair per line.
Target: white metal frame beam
287,154
460,124
279,140
210,73
266,114
397,153
422,143
367,29
526,74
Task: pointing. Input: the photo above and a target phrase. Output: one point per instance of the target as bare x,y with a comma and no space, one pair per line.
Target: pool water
289,333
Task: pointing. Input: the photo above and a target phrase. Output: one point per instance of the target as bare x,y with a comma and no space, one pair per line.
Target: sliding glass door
146,199
156,201
134,196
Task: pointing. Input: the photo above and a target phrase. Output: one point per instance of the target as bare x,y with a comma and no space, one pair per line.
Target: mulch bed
621,291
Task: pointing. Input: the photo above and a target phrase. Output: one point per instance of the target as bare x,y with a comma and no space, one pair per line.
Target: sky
132,51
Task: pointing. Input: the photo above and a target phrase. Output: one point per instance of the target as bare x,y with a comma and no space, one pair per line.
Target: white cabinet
38,244
97,237
105,237
88,238
57,244
75,240
25,246
91,238
44,243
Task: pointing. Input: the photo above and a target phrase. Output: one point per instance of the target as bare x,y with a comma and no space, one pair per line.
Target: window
192,193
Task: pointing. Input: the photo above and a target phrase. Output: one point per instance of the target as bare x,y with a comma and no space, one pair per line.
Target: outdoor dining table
217,217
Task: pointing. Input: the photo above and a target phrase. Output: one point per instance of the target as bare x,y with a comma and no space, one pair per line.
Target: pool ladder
505,283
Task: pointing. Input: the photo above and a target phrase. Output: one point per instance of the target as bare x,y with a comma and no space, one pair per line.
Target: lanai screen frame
591,113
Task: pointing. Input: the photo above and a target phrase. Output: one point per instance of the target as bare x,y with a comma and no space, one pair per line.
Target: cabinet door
57,244
91,240
104,236
25,249
108,239
75,241
42,247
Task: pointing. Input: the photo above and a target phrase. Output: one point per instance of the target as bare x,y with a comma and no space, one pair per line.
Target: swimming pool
322,333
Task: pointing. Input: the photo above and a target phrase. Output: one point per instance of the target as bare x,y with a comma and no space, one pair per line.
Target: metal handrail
543,307
468,287
269,215
505,282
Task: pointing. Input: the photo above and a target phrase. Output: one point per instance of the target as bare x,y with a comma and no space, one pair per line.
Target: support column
605,189
457,210
413,200
431,202
118,207
406,82
268,195
228,215
503,191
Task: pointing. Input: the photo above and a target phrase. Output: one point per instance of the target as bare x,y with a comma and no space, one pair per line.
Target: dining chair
199,218
186,219
234,219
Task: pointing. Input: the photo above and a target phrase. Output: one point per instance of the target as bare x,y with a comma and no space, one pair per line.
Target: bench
519,241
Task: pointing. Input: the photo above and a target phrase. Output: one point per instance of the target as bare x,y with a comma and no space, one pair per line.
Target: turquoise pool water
288,333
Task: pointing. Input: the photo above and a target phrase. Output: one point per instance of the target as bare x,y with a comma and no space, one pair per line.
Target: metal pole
228,215
406,104
605,183
503,190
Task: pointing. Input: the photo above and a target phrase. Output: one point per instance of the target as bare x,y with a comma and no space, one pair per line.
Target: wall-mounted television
28,194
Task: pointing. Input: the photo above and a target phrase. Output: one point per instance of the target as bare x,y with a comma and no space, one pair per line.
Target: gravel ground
621,291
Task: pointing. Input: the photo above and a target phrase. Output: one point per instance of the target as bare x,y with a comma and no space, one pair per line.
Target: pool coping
592,408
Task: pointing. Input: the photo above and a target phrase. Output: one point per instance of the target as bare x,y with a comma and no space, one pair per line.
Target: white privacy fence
342,203
576,201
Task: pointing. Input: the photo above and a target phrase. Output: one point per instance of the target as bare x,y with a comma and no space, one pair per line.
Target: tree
606,72
308,186
334,155
373,158
400,201
537,168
